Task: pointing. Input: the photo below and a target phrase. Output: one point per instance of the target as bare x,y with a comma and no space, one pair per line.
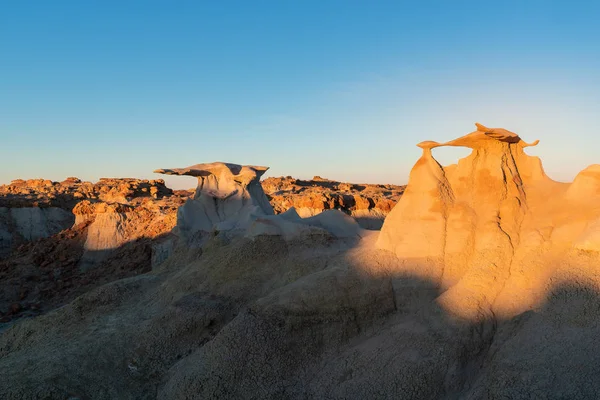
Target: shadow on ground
311,318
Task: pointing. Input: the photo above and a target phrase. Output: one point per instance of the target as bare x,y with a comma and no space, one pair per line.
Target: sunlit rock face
491,228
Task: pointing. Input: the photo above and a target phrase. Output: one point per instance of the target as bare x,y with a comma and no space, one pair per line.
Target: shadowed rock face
24,224
227,197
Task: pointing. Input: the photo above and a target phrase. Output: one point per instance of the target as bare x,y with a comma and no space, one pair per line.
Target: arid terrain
53,233
478,280
368,204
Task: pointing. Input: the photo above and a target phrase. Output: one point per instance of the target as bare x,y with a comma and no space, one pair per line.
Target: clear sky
340,89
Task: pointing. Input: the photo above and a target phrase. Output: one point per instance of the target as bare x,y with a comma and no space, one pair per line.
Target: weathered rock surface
108,241
229,198
38,208
483,284
368,204
66,194
24,224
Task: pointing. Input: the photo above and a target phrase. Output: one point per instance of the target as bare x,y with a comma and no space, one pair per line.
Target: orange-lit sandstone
476,228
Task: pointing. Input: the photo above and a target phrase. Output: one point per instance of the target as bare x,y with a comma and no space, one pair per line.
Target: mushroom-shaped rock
428,144
486,137
244,174
228,196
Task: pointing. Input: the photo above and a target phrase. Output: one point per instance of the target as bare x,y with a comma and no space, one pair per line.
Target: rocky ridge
66,194
367,203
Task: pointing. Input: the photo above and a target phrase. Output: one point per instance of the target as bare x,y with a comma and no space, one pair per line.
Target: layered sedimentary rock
367,203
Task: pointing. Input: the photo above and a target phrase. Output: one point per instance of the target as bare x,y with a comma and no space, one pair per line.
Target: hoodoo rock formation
227,198
481,224
482,284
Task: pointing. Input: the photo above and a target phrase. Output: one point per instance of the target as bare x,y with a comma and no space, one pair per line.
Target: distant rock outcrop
38,208
66,194
367,203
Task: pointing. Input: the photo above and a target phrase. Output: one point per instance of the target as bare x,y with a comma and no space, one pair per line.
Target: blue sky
340,89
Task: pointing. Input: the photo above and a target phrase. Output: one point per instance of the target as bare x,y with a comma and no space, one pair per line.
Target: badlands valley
478,280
